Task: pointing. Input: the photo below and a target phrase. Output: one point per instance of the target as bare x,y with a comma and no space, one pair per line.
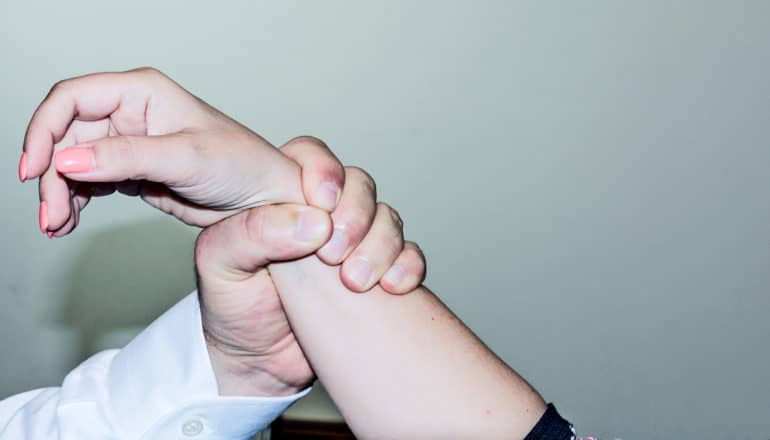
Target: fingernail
75,160
50,235
336,247
23,167
311,225
43,217
359,271
395,275
328,195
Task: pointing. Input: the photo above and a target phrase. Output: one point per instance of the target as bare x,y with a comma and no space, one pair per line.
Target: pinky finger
78,201
407,272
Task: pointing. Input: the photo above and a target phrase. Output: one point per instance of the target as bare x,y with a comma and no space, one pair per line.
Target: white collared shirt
160,386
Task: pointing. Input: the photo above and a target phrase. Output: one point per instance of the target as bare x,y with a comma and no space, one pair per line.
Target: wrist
248,375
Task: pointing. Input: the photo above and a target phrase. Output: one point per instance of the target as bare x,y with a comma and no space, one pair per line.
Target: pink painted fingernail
359,270
50,235
335,248
43,217
328,195
395,275
23,167
75,160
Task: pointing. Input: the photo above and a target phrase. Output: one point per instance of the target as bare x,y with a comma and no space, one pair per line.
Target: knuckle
415,247
201,248
394,216
60,87
149,71
357,221
413,254
306,141
413,261
392,226
359,175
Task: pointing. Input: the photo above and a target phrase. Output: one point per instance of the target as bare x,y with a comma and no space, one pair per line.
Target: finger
78,201
55,201
322,173
235,248
165,159
376,253
353,216
407,272
89,97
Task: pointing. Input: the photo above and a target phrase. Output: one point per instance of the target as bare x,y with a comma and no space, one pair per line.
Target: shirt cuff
162,385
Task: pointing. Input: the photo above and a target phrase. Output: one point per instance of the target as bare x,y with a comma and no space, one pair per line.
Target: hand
252,346
141,133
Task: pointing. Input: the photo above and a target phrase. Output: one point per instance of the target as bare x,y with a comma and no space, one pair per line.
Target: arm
402,367
398,367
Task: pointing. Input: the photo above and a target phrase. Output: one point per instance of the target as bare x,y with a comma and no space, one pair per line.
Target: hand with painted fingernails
140,133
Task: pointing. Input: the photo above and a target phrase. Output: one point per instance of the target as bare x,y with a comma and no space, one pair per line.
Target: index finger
89,98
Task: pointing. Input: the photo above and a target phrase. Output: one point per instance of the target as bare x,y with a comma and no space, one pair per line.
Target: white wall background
590,180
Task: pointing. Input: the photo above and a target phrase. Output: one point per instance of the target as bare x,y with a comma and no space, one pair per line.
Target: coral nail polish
75,160
23,167
43,217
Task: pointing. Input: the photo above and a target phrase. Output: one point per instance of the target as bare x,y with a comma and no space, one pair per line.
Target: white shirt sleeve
160,386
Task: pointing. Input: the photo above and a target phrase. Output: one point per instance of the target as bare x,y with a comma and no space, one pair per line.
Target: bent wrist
244,374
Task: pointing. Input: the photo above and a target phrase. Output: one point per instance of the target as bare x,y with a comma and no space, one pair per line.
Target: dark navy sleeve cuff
551,427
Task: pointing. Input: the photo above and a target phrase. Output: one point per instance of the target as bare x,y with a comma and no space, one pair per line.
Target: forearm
402,367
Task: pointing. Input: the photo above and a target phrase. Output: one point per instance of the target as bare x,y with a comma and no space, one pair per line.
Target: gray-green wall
589,180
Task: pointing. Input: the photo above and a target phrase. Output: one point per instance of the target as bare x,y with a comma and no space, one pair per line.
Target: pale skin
398,367
193,162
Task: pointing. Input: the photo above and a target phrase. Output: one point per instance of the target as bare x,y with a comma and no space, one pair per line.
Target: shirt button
192,427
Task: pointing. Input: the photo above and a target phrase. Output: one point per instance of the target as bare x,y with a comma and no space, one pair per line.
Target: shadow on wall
124,278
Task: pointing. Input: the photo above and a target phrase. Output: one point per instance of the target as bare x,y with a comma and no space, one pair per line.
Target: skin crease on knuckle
126,152
254,225
394,232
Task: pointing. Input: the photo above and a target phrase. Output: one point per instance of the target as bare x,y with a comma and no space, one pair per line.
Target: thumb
163,159
235,248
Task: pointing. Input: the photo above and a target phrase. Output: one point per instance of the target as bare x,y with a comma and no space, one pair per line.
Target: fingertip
351,286
393,278
23,167
327,195
323,175
43,216
313,226
407,273
356,274
334,251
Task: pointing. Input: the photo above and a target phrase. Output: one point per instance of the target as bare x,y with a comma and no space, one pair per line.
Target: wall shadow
125,277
